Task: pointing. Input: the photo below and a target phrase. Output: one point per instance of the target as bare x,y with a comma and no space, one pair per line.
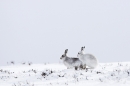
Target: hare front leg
76,67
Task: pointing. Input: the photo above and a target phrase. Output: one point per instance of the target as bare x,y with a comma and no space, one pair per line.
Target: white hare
71,62
87,59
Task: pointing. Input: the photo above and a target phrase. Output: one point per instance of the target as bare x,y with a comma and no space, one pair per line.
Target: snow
106,74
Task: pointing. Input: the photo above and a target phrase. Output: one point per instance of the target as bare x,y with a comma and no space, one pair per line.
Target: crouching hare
87,59
71,62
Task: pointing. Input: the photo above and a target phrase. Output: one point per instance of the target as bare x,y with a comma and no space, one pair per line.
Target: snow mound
114,74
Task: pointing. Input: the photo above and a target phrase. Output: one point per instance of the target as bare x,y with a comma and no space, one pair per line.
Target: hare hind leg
83,67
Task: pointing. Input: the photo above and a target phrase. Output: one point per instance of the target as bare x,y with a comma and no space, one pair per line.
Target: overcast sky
40,30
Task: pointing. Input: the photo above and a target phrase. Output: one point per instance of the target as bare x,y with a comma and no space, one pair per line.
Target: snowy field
106,74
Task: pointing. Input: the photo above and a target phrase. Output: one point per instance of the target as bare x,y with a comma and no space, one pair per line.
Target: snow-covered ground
106,74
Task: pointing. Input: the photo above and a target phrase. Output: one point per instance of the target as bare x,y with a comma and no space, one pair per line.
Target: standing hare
87,59
71,62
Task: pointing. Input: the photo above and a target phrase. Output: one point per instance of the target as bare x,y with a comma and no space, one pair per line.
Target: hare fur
88,59
71,62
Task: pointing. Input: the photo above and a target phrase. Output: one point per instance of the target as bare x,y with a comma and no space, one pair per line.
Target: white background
40,30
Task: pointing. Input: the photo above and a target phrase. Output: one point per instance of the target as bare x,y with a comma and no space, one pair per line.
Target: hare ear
81,48
66,51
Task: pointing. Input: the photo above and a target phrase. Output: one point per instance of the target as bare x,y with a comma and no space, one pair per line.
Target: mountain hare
71,62
87,59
